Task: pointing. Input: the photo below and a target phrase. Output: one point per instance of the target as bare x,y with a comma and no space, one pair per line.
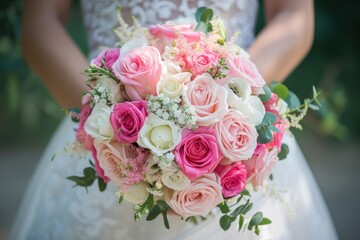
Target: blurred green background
29,115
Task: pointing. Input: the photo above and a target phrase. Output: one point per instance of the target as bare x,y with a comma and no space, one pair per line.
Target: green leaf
225,222
102,185
265,135
224,208
121,198
314,107
198,13
166,221
265,221
281,90
154,212
255,220
245,192
257,230
284,151
238,210
205,17
292,100
241,221
266,96
273,128
269,118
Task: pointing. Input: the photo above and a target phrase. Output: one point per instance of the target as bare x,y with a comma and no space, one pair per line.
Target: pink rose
241,66
166,33
127,119
259,167
270,104
81,135
198,152
233,178
139,70
199,62
208,99
237,137
199,198
109,56
100,172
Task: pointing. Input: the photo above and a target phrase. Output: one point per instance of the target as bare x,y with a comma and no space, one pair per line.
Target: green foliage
284,151
203,17
266,128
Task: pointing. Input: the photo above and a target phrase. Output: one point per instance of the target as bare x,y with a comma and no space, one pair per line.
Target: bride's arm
50,51
286,38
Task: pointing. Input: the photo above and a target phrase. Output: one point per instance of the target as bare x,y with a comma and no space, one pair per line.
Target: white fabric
53,209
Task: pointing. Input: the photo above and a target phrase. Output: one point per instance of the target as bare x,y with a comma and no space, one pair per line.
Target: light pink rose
208,99
81,135
127,119
198,152
166,33
233,178
241,66
198,199
259,167
100,172
139,70
199,62
109,56
237,137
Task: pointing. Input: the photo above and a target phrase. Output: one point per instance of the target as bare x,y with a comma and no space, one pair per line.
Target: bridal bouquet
180,119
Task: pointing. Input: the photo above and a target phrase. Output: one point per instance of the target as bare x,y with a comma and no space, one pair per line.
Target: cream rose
175,180
98,123
208,99
137,193
171,85
203,194
158,135
253,108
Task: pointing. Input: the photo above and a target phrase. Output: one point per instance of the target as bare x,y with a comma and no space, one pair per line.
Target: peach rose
236,136
139,70
259,167
107,153
241,66
198,199
208,99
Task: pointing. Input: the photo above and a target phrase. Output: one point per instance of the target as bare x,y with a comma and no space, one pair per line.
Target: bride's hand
50,51
286,38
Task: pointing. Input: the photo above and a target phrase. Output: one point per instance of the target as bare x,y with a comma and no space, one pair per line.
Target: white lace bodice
100,16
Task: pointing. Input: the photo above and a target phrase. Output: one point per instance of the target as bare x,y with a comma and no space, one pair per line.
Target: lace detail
100,17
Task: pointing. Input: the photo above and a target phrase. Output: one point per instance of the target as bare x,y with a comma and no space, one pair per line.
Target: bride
52,209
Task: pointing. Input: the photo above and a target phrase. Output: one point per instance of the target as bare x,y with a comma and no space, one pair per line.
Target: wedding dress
53,209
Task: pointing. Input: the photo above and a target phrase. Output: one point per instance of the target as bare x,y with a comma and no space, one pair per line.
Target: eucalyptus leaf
166,220
292,100
198,13
281,90
265,221
284,151
154,212
266,96
224,208
241,221
255,220
101,184
225,222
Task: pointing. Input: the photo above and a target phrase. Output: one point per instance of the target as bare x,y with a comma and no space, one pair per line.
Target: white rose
137,193
175,180
171,85
133,43
253,108
168,67
98,123
113,87
158,135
